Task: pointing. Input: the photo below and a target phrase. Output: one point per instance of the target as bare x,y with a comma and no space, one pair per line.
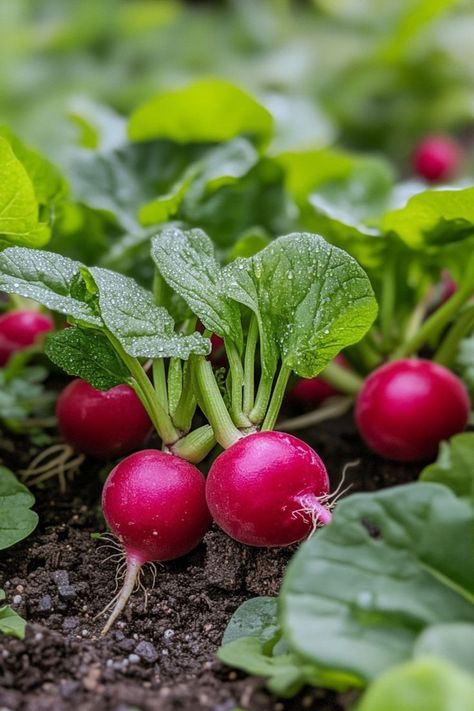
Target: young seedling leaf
419,685
207,111
48,278
143,329
187,262
311,300
88,355
10,621
390,565
16,518
254,618
454,466
19,212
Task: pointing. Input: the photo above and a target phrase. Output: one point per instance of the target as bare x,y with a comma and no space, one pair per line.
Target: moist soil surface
161,655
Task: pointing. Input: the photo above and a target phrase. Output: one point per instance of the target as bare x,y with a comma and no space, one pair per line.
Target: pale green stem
159,417
277,398
249,365
196,445
343,379
226,433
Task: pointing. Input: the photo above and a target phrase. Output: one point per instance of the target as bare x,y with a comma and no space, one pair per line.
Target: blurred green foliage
373,74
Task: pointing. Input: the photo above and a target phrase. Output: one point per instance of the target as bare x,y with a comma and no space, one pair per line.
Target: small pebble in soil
67,592
70,623
45,604
17,599
133,658
168,634
147,652
60,577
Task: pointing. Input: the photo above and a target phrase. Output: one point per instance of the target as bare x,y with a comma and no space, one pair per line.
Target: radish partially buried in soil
102,423
155,504
406,408
268,489
20,329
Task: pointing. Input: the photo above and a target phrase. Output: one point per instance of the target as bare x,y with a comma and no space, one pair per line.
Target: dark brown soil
160,657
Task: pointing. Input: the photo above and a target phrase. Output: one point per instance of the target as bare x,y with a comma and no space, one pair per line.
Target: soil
160,657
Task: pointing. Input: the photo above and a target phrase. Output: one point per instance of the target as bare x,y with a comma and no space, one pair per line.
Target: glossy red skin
255,488
437,158
309,393
102,423
406,408
20,329
155,504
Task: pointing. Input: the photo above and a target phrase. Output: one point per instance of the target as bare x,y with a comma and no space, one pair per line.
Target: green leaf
210,110
17,521
48,278
120,181
254,618
433,218
220,166
427,684
248,244
187,262
453,642
310,298
87,355
48,184
10,621
143,329
454,466
19,213
390,565
23,394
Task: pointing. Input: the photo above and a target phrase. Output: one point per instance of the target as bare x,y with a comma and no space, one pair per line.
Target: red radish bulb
155,504
102,423
20,329
406,408
437,158
268,489
310,393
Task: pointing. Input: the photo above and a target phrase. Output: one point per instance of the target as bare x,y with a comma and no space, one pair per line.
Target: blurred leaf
455,465
389,566
419,685
19,214
209,110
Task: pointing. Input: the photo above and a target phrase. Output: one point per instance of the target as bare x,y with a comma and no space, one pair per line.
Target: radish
155,504
309,393
437,158
268,489
102,423
20,329
406,408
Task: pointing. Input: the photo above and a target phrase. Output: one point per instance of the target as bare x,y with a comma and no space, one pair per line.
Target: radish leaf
16,518
207,111
10,621
390,565
88,355
187,262
311,300
453,467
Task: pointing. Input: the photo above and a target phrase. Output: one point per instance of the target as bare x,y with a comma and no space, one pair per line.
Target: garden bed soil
161,658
